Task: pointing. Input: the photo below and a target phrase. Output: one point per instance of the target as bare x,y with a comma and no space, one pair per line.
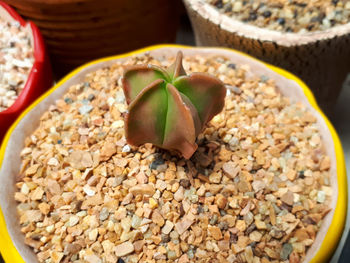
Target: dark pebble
316,19
335,2
185,183
252,17
200,209
301,4
253,244
68,100
120,260
227,7
231,65
59,141
223,226
284,206
250,229
281,21
91,97
233,238
295,14
219,4
267,14
301,174
309,27
182,211
154,165
36,237
165,238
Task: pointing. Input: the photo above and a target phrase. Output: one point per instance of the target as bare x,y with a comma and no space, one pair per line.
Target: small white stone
85,109
53,162
73,220
93,234
50,228
24,189
88,190
237,6
117,124
126,149
321,196
167,227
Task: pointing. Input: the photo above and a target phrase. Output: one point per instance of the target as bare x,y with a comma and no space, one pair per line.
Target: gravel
300,16
16,61
234,201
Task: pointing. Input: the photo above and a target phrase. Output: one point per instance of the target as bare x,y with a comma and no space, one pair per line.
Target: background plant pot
39,79
11,242
77,31
320,58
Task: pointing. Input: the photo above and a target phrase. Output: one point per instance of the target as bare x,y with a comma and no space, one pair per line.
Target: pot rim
335,229
234,26
39,53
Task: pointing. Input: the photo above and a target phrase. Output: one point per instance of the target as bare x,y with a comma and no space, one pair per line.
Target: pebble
92,259
183,225
124,249
231,169
93,234
104,214
85,109
321,196
286,250
167,227
142,189
73,220
288,198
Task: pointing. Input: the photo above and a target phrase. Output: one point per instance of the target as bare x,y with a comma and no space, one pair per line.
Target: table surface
341,121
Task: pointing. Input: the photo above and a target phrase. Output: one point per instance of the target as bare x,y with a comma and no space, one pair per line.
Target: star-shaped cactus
168,108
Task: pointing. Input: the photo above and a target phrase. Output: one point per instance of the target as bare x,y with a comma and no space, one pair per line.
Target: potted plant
309,42
161,165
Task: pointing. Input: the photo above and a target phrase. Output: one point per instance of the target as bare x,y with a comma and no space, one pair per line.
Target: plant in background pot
25,68
263,180
77,31
308,38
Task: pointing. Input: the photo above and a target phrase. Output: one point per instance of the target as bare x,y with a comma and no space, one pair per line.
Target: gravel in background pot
320,58
25,70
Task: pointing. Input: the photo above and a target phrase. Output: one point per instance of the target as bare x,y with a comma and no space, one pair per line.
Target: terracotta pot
40,77
12,244
320,58
77,31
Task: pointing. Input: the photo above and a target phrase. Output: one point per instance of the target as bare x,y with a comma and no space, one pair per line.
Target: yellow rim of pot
335,230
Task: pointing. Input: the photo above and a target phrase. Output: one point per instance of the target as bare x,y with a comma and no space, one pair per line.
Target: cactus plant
168,108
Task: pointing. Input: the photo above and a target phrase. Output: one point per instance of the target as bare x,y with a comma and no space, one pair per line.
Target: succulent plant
168,108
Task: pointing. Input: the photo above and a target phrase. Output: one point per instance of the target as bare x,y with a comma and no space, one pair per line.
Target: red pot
39,79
